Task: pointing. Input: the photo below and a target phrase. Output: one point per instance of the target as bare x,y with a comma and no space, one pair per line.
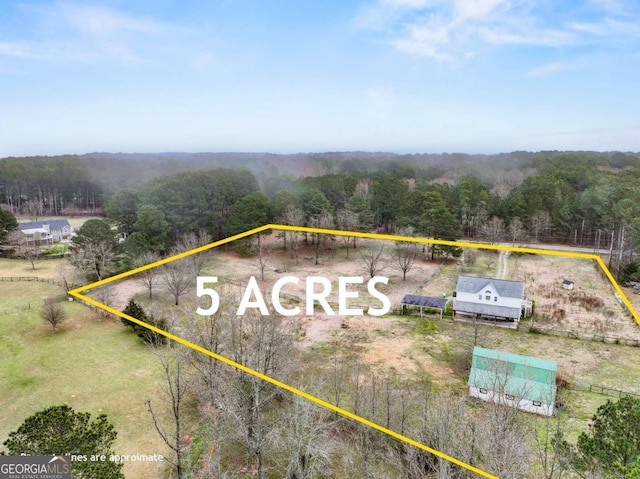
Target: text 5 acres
317,290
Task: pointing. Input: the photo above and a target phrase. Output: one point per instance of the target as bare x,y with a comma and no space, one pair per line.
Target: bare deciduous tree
540,223
489,258
493,230
552,460
293,216
148,277
53,313
502,436
323,220
373,259
191,241
507,181
213,381
303,433
262,261
405,253
469,256
177,277
516,231
174,364
264,344
347,220
94,259
34,209
31,252
68,276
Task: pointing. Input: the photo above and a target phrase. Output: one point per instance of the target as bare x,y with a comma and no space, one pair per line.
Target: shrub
59,248
151,337
134,310
427,327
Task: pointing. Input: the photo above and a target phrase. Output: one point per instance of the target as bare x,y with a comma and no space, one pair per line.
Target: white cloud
501,35
66,31
380,14
407,3
465,9
17,50
100,20
449,31
551,68
614,7
430,40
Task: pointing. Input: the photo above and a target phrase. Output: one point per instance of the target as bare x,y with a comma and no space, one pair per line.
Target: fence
56,299
100,311
61,297
53,299
604,276
31,278
587,336
606,391
39,258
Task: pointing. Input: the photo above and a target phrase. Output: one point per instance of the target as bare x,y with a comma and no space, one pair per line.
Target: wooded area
582,198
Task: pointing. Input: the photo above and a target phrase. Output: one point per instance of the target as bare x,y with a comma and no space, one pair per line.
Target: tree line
587,199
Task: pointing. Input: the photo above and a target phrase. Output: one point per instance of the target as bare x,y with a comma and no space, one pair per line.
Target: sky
287,76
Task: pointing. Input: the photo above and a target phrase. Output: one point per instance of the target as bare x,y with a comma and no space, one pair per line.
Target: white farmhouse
490,298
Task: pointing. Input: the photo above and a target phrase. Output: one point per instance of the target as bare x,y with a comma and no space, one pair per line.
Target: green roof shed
522,381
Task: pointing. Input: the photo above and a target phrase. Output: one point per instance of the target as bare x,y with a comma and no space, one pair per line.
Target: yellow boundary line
77,292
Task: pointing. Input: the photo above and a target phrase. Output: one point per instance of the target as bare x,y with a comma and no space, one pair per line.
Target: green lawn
92,364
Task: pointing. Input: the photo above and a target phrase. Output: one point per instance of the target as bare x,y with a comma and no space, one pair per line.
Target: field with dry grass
398,343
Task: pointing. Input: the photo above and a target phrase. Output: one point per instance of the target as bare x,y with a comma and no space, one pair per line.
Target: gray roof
486,309
504,287
426,301
55,224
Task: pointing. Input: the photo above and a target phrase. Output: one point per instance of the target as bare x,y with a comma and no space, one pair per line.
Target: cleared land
440,349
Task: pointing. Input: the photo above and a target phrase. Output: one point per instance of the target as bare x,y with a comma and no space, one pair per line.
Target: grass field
44,268
91,363
582,363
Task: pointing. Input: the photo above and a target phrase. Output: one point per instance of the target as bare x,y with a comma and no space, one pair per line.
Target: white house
490,298
44,232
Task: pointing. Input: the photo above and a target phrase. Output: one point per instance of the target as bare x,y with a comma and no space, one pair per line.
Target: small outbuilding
568,284
424,302
512,379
